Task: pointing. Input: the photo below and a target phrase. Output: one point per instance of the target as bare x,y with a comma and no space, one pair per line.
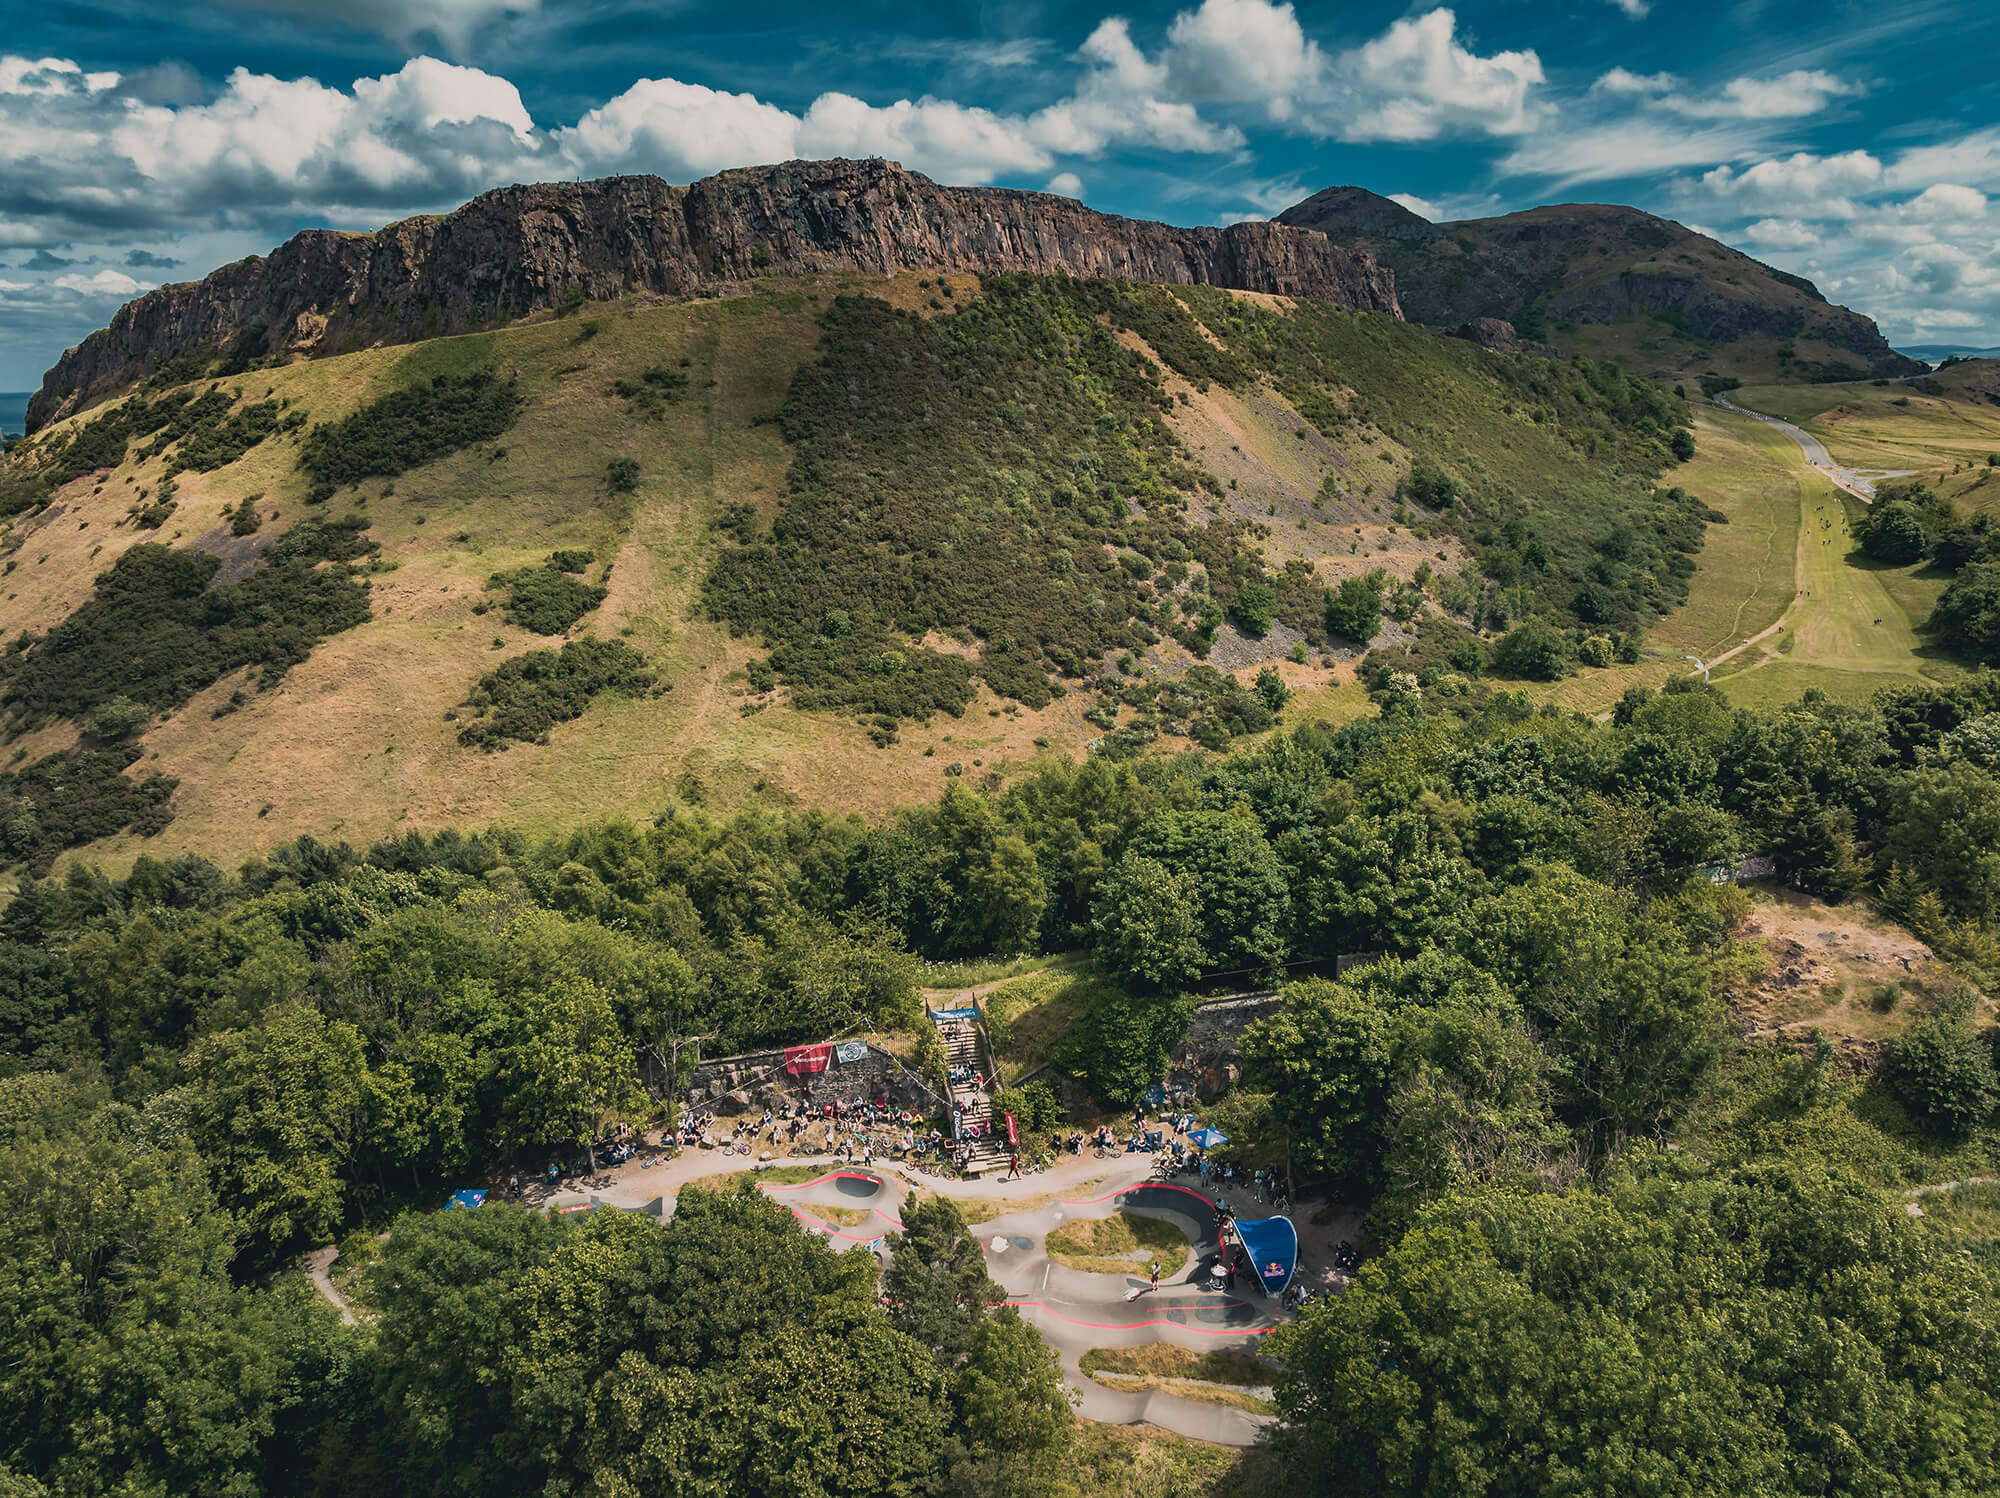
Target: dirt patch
238,554
944,644
1845,970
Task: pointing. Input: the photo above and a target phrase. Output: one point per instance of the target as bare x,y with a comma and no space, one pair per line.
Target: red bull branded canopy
1273,1246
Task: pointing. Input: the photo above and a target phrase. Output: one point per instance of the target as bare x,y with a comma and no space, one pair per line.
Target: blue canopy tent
1207,1139
464,1201
1272,1244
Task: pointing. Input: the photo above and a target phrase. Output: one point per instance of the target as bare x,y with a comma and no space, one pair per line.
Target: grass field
1851,630
1784,569
356,743
1124,1243
1946,437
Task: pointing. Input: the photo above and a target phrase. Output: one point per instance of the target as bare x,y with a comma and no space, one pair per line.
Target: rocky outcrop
522,249
1589,263
1496,334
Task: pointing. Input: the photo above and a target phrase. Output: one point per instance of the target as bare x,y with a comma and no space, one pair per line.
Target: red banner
807,1060
1013,1133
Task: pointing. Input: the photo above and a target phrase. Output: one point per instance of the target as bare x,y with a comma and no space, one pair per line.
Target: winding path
1861,485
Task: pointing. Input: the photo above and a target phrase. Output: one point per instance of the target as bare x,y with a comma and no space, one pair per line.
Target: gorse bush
203,432
154,631
406,429
530,694
656,388
547,599
1542,466
970,472
69,799
1006,471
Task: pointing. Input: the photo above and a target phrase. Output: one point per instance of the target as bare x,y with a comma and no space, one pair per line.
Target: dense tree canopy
1505,966
1776,1328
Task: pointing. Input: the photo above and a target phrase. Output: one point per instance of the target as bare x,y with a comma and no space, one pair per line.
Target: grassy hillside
802,546
1943,427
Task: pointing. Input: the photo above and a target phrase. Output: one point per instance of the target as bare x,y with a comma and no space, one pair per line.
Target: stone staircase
964,1046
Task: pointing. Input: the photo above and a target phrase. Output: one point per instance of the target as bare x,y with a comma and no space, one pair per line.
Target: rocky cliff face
521,249
1589,263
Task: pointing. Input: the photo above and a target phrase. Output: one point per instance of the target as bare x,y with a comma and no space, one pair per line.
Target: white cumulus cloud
1799,186
680,130
1417,82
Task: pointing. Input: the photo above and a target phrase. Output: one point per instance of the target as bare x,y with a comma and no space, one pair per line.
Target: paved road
1854,481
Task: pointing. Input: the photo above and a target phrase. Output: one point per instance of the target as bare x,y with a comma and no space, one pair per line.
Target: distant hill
1611,282
521,250
1930,353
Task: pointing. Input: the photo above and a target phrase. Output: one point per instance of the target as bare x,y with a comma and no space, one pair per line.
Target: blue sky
1857,144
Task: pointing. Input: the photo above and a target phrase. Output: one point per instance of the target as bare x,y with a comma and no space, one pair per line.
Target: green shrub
119,718
1036,1108
1354,608
1253,607
1943,1074
409,428
530,694
1121,1045
1429,485
621,476
1892,531
1967,616
654,390
546,599
154,631
70,799
1534,651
